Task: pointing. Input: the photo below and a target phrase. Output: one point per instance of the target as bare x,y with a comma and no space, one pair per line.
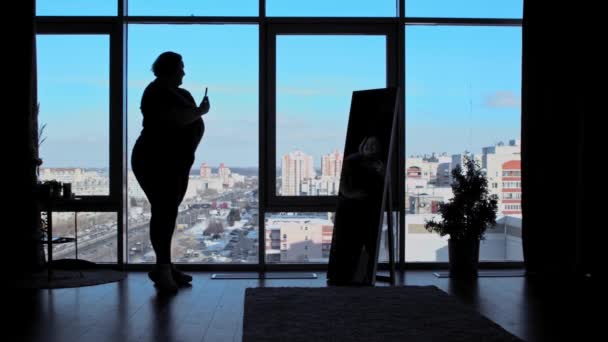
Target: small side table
49,240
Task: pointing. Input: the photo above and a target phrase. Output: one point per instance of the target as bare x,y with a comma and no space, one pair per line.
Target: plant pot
43,191
464,257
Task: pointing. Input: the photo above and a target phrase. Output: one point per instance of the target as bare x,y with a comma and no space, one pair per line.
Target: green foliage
472,209
37,139
214,227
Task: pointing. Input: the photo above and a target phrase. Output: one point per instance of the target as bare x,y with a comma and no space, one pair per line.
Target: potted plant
39,190
466,217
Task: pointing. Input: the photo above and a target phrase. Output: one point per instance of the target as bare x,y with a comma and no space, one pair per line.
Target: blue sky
338,8
462,83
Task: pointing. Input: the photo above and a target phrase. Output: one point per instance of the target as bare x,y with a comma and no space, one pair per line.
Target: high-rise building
205,170
510,194
428,167
63,174
502,164
84,182
503,169
296,167
224,173
331,164
302,237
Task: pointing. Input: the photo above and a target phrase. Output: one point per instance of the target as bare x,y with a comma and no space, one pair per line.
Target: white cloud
502,99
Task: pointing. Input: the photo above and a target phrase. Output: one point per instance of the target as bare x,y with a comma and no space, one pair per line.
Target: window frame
113,202
268,28
275,202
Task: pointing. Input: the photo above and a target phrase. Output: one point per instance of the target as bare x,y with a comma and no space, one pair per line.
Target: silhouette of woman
163,155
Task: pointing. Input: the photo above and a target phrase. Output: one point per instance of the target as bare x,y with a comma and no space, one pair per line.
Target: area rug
411,313
67,273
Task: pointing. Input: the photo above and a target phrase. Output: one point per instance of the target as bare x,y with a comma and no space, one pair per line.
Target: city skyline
225,202
196,166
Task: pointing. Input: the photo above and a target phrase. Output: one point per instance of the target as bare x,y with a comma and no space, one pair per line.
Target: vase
464,257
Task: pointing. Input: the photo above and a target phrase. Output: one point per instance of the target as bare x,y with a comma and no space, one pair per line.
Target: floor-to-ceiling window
74,121
280,75
313,71
463,86
217,221
74,96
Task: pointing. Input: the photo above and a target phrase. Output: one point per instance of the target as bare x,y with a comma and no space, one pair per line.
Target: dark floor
212,310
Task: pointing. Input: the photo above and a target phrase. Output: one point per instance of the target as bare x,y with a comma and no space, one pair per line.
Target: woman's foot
163,278
180,277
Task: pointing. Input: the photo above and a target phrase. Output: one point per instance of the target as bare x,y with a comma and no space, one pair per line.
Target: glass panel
194,7
316,76
95,234
63,226
218,218
465,8
463,87
383,253
97,240
76,7
334,8
298,237
74,97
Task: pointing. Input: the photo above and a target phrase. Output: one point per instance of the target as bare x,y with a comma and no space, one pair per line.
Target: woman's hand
205,105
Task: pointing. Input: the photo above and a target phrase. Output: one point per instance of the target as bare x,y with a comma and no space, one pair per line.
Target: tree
233,215
214,227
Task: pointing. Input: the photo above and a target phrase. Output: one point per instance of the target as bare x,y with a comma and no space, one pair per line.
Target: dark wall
19,228
560,108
